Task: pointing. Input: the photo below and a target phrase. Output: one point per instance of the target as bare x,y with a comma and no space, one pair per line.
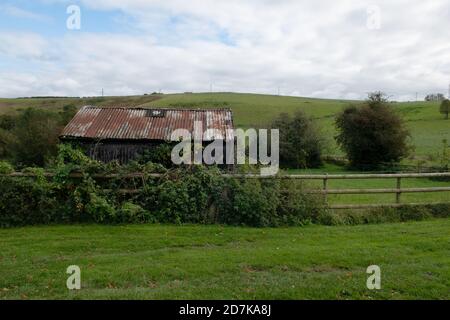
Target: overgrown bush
444,108
300,141
196,194
297,207
6,167
249,202
26,202
158,154
7,139
30,137
183,195
129,212
372,134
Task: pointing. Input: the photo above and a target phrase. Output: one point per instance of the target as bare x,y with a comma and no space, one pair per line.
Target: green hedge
196,194
187,195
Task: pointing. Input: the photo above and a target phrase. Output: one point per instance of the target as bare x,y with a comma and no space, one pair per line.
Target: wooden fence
397,191
325,191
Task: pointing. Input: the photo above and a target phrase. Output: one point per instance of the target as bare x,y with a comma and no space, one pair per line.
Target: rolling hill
428,127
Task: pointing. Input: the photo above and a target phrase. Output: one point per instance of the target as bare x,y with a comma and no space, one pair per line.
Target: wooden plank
80,175
366,176
343,191
392,190
383,205
342,176
325,189
399,191
255,176
25,174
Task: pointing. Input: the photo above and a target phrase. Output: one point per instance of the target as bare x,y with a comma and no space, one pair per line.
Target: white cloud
17,12
23,45
310,48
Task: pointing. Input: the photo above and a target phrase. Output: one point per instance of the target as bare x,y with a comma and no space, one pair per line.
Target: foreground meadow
215,262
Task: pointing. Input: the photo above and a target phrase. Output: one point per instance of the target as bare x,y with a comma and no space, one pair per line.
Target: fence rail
325,191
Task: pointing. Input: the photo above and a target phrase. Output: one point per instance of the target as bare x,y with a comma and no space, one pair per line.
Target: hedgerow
196,194
192,194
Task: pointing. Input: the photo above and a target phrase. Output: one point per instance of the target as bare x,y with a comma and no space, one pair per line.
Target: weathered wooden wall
123,152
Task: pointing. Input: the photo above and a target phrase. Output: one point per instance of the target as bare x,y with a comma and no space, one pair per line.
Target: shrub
133,213
439,210
158,154
183,195
30,137
99,209
248,202
68,113
36,137
6,167
26,202
297,207
445,108
372,134
6,140
300,141
7,122
414,213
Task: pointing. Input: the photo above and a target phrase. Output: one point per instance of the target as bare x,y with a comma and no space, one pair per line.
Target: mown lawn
215,262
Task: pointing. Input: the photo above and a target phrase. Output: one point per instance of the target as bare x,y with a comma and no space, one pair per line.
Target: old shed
123,134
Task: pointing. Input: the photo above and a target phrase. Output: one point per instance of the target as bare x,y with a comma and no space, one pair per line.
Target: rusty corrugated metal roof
145,124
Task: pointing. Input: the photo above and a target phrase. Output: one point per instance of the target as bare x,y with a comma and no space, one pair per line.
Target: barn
123,134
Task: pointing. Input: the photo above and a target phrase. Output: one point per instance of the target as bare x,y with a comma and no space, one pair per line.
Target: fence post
325,188
397,195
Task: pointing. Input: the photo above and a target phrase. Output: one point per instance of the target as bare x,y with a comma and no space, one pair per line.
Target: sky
317,48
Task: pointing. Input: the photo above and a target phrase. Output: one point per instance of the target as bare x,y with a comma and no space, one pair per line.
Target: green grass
428,127
422,197
214,262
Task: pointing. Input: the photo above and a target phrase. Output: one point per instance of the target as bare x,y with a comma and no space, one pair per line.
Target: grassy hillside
214,262
428,127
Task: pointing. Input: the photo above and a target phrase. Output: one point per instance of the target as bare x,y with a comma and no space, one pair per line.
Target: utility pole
102,92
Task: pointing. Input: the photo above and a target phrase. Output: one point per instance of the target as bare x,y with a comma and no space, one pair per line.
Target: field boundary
325,191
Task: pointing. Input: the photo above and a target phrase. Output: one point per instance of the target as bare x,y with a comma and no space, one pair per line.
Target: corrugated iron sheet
136,124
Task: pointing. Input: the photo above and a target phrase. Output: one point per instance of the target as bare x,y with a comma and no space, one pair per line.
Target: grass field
214,262
428,127
374,184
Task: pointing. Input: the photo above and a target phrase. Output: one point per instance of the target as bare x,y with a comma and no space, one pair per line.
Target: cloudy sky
315,48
